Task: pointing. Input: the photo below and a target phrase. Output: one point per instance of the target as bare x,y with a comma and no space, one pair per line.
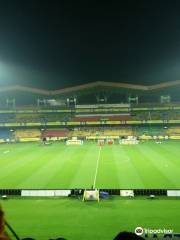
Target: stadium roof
83,87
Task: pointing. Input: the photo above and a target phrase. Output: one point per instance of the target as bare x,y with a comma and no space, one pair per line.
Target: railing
67,192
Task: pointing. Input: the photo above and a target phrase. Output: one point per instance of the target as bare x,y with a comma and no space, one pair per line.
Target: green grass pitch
146,165
74,220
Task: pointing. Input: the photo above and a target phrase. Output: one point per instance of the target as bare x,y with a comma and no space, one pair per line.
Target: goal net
101,142
74,141
110,141
129,140
91,195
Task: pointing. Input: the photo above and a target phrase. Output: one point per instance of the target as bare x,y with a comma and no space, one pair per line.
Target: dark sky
54,44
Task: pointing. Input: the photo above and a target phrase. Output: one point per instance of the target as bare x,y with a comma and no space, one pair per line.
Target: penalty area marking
97,166
5,152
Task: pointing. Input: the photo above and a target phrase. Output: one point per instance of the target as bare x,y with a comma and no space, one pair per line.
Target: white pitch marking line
6,151
97,165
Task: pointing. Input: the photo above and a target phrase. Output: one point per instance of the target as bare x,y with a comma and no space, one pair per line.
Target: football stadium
90,161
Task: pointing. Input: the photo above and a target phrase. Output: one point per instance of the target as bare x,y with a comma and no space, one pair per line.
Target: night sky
55,44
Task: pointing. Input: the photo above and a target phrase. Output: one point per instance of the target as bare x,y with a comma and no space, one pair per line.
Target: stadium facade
108,92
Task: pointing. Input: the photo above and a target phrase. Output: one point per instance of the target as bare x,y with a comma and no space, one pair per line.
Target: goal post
91,195
129,140
74,141
110,141
101,142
